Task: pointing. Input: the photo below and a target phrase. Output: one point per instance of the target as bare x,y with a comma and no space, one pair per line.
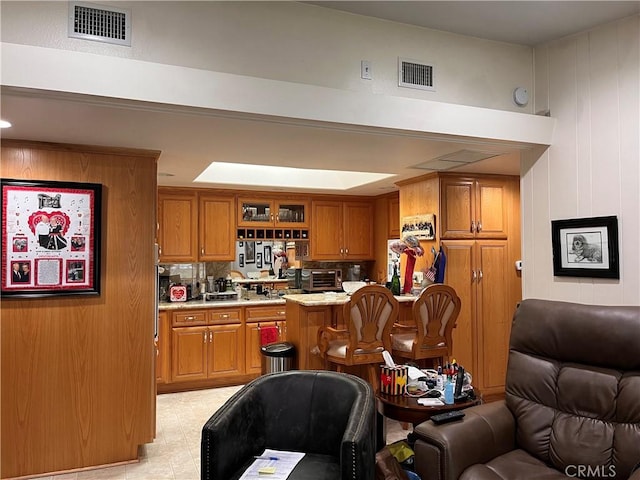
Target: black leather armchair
572,406
329,416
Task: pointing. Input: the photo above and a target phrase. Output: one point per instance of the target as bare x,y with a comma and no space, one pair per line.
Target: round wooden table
408,410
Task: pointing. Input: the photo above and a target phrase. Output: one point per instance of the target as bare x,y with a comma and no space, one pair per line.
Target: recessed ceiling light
271,176
4,124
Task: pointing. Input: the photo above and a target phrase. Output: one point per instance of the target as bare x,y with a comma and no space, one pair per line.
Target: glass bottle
395,281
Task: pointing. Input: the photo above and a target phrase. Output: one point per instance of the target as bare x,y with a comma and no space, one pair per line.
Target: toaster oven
322,280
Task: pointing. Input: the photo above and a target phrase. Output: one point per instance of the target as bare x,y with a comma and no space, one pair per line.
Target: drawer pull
189,318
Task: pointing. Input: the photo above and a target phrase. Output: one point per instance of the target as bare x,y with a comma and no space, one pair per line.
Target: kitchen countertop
219,303
304,299
319,299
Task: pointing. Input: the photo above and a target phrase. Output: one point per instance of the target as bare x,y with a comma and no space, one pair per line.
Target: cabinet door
326,236
292,214
255,213
492,207
459,275
189,358
216,228
163,369
393,218
177,227
253,354
494,313
457,206
358,231
226,350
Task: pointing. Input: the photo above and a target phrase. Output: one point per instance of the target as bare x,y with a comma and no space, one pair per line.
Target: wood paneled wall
78,385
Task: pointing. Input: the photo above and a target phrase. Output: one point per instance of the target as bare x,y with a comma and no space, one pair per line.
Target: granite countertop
318,299
219,303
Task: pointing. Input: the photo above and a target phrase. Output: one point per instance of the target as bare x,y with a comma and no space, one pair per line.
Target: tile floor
175,453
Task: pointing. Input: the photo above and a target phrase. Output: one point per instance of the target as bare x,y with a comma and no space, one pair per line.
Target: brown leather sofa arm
443,452
635,475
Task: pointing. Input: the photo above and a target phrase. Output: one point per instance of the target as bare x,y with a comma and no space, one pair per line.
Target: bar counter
306,313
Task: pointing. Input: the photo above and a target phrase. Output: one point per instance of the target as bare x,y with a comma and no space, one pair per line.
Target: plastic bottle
448,393
440,379
395,281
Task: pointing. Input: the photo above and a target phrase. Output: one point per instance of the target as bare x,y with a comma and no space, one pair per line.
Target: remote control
447,417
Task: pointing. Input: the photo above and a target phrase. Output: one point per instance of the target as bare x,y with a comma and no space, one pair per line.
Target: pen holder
393,380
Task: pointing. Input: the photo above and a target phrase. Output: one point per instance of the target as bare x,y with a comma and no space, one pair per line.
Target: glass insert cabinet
273,213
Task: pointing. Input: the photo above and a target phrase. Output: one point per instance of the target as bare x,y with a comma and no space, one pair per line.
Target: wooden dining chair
369,316
435,313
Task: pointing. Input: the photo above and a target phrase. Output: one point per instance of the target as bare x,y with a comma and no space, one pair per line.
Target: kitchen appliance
322,280
294,278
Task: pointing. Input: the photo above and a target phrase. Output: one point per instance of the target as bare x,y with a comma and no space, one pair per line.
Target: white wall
590,82
292,42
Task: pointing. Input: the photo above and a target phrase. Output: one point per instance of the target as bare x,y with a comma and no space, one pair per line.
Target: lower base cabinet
211,347
205,352
207,344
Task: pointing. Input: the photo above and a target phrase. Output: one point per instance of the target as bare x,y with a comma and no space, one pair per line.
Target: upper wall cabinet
269,213
342,230
177,226
216,228
474,208
195,227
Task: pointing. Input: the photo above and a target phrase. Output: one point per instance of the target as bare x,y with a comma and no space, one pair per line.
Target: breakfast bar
306,313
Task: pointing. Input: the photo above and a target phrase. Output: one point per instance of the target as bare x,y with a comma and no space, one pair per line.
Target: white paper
284,465
415,373
430,402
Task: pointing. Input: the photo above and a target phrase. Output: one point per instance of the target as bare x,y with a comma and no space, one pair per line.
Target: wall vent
99,23
413,74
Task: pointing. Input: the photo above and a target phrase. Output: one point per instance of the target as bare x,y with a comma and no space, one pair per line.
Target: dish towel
268,335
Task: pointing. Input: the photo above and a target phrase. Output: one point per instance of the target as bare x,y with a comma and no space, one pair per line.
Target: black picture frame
53,230
586,247
249,252
258,260
267,255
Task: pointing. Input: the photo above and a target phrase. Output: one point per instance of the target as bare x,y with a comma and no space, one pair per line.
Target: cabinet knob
204,334
474,276
210,336
202,251
473,226
479,227
480,275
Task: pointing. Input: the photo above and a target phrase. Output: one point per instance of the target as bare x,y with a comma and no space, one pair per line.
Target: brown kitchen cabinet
480,263
482,274
273,213
212,350
195,226
475,207
216,228
163,351
256,318
341,230
393,217
177,226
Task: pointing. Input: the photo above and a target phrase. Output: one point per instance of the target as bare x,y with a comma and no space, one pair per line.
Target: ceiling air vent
413,74
100,24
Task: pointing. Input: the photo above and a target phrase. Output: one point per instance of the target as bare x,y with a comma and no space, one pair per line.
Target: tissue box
393,380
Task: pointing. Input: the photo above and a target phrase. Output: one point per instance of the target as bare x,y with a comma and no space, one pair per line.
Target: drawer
194,317
219,316
261,314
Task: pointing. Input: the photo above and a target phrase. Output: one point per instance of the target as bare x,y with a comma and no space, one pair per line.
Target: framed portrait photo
53,229
586,247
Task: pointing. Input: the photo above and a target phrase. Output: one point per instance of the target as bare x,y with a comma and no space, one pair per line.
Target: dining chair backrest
370,315
435,312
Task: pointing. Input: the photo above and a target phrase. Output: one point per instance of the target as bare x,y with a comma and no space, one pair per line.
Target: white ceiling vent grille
100,24
413,74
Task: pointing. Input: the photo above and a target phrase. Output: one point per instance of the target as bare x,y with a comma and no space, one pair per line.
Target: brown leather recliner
572,405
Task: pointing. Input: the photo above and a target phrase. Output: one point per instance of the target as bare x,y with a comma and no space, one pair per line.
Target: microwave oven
322,280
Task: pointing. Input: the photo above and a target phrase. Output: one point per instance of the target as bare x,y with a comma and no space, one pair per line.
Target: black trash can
277,357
